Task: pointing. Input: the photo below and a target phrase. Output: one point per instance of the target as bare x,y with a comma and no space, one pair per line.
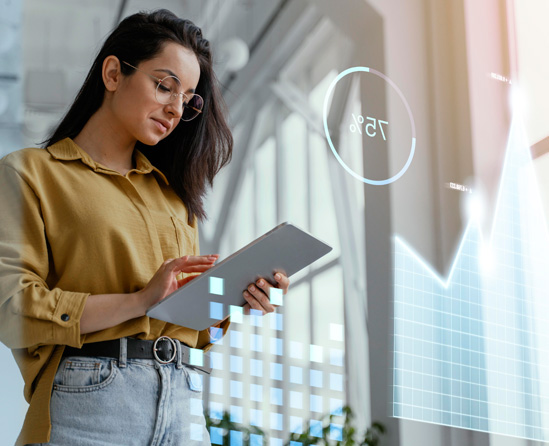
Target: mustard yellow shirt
70,227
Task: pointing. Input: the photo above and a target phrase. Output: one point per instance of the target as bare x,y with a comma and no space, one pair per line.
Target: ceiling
60,39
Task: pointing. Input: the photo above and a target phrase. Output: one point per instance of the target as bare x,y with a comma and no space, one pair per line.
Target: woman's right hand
164,282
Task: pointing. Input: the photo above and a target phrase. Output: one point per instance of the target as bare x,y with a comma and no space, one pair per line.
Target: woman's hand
164,282
257,294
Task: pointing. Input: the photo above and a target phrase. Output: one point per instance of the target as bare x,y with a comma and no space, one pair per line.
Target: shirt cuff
208,337
66,318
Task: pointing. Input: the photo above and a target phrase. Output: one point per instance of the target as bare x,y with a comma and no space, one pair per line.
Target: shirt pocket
185,237
174,242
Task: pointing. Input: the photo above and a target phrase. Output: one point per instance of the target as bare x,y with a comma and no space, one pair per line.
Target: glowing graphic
370,127
249,371
471,350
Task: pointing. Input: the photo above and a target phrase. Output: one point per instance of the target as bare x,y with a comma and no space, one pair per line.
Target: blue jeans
100,401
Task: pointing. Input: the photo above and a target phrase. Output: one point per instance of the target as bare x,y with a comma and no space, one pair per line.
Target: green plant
227,425
348,432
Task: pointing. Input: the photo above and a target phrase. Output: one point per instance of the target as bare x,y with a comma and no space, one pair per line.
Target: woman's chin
150,140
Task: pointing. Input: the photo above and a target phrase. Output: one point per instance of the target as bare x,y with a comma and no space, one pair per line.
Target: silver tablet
207,299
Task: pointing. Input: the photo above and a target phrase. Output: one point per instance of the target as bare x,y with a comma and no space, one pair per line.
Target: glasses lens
192,108
166,91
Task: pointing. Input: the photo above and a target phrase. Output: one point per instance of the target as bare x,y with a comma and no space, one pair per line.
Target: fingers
282,282
191,264
259,299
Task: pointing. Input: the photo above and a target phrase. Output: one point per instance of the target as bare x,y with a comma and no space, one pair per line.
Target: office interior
454,75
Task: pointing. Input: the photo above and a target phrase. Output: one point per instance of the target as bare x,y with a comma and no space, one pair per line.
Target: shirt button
65,317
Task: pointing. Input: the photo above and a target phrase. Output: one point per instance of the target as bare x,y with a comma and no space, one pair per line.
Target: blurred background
455,62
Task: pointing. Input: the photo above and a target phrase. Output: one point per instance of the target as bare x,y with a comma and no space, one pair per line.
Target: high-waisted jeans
126,402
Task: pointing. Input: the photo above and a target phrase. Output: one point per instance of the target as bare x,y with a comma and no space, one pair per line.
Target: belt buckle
155,349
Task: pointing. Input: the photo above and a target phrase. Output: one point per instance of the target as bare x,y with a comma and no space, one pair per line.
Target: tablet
207,299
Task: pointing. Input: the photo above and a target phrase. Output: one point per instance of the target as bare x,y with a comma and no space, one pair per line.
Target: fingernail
252,288
260,283
277,276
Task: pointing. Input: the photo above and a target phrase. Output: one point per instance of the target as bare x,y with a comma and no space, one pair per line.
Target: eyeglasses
167,92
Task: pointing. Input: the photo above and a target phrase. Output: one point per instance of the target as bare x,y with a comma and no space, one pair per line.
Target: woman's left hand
257,294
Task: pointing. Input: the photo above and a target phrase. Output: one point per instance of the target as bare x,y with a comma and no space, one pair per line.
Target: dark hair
196,150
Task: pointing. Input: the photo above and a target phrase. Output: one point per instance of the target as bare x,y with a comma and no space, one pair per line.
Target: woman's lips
161,126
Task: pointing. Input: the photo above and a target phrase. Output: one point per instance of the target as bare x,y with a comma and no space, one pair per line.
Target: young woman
101,225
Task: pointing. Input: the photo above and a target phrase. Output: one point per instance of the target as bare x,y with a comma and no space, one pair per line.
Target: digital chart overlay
471,349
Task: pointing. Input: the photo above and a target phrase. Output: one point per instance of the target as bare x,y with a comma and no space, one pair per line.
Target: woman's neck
102,139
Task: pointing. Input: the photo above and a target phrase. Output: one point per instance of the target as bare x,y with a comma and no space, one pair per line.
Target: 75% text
370,127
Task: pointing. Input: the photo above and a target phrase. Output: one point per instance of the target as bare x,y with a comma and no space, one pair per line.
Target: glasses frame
183,95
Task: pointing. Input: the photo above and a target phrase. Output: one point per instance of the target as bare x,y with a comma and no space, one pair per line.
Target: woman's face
134,104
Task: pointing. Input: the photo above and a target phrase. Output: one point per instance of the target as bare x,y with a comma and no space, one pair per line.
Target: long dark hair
196,150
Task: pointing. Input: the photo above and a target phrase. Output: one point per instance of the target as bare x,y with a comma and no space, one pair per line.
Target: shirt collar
68,150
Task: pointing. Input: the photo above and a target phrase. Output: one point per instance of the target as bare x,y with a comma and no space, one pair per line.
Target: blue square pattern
256,392
296,375
296,443
276,296
276,442
216,360
196,407
197,432
316,378
336,432
316,403
296,350
216,435
236,438
237,314
316,353
256,367
196,357
276,371
276,421
256,417
276,321
315,428
296,400
216,334
236,339
276,396
296,425
256,318
276,346
236,364
336,382
336,357
216,385
336,332
236,389
236,414
216,310
216,410
256,440
216,286
336,406
256,343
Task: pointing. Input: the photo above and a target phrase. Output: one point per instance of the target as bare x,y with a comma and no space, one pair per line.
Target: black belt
163,349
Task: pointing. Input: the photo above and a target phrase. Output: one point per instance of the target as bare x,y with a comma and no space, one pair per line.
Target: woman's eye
164,88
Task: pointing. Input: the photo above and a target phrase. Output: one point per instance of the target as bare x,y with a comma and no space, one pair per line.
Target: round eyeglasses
167,92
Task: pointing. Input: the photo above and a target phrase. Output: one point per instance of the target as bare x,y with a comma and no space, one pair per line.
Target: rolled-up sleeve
31,314
207,337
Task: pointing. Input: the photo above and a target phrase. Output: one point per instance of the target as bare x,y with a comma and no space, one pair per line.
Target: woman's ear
111,73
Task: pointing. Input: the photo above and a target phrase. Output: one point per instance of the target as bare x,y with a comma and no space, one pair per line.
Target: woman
102,225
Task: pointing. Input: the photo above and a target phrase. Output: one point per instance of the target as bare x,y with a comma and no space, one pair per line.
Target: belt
163,349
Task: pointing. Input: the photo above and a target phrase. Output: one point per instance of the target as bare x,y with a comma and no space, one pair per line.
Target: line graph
471,349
